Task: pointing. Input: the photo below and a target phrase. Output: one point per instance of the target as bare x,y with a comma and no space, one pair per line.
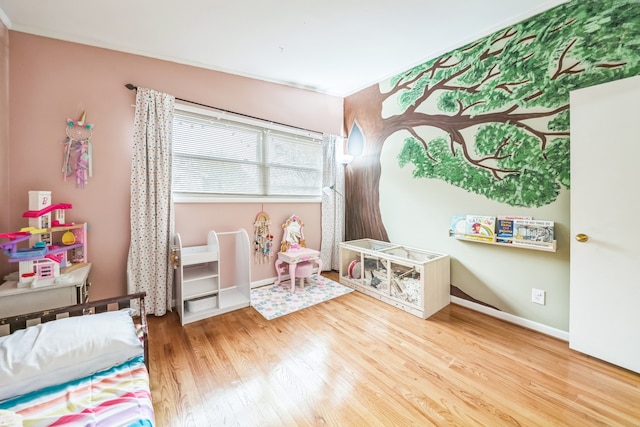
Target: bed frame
110,304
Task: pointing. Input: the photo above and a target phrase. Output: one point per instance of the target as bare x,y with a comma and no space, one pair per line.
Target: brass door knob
582,237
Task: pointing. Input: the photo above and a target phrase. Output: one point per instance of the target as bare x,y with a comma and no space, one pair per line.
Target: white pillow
65,349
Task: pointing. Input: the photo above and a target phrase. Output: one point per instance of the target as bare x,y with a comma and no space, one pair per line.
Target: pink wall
4,134
51,80
193,221
4,117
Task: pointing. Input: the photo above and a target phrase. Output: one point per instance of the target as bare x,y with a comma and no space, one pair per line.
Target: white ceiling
331,46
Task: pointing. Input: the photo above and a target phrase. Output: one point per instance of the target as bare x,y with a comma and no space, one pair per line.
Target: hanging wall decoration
77,161
262,239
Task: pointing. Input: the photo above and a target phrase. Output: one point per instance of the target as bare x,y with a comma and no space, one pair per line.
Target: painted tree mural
500,106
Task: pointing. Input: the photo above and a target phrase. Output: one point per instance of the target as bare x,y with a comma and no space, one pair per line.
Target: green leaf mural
503,100
492,117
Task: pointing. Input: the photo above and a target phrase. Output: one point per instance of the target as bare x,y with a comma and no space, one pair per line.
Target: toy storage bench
414,280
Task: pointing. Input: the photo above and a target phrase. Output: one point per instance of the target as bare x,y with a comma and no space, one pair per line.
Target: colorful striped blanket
119,396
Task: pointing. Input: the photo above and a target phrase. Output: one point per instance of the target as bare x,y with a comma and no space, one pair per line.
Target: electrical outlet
537,296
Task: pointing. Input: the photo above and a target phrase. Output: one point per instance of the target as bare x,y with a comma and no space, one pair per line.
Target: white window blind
220,156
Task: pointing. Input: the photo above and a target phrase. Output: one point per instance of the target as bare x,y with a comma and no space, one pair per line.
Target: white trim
210,198
5,19
269,281
265,282
118,47
341,93
538,327
218,114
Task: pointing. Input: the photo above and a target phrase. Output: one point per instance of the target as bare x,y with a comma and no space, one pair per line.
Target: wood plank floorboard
355,361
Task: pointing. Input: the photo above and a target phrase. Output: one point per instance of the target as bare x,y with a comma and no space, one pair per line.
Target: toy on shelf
78,151
262,238
40,263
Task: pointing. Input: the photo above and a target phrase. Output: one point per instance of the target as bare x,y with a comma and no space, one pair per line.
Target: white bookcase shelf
198,286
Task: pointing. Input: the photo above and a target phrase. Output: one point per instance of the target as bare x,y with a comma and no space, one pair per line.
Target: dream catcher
262,239
77,151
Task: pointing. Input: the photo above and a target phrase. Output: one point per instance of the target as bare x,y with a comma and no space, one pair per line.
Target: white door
604,318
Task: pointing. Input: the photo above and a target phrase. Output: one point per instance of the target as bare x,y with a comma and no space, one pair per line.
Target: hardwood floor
354,361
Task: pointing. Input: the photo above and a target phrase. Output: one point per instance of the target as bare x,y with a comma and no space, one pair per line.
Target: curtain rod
134,87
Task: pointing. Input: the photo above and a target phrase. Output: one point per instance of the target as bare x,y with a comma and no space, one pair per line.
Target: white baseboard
538,327
272,280
268,281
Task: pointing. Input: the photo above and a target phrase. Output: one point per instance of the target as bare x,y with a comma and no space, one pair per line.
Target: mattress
118,396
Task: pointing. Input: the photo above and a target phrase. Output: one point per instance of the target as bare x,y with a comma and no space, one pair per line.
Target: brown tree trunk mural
362,176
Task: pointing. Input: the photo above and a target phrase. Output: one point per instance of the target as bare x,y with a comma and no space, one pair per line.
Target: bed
81,365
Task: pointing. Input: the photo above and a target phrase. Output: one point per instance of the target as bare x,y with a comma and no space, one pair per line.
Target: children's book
480,227
504,228
529,232
458,226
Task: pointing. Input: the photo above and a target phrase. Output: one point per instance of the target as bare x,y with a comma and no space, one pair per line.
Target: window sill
201,198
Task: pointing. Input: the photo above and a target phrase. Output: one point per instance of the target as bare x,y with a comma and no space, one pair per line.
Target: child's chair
294,256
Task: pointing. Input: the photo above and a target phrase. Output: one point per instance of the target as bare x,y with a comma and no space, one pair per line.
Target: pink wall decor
77,160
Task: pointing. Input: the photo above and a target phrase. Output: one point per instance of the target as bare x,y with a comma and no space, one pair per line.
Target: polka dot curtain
148,268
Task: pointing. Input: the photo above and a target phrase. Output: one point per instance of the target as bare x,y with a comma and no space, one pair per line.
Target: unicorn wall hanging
262,238
77,161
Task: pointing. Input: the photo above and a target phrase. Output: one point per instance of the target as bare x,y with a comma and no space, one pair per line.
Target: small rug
277,300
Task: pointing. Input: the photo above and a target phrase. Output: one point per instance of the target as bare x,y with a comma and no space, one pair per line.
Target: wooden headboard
110,304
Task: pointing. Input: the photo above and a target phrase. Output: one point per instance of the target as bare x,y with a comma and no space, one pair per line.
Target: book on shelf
534,233
504,227
458,226
480,227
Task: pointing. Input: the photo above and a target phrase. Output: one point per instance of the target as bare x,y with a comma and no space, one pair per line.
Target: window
222,156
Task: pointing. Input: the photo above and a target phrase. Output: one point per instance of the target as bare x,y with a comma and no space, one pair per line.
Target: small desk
294,257
71,289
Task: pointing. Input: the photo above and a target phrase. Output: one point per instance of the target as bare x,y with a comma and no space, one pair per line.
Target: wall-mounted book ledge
512,231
